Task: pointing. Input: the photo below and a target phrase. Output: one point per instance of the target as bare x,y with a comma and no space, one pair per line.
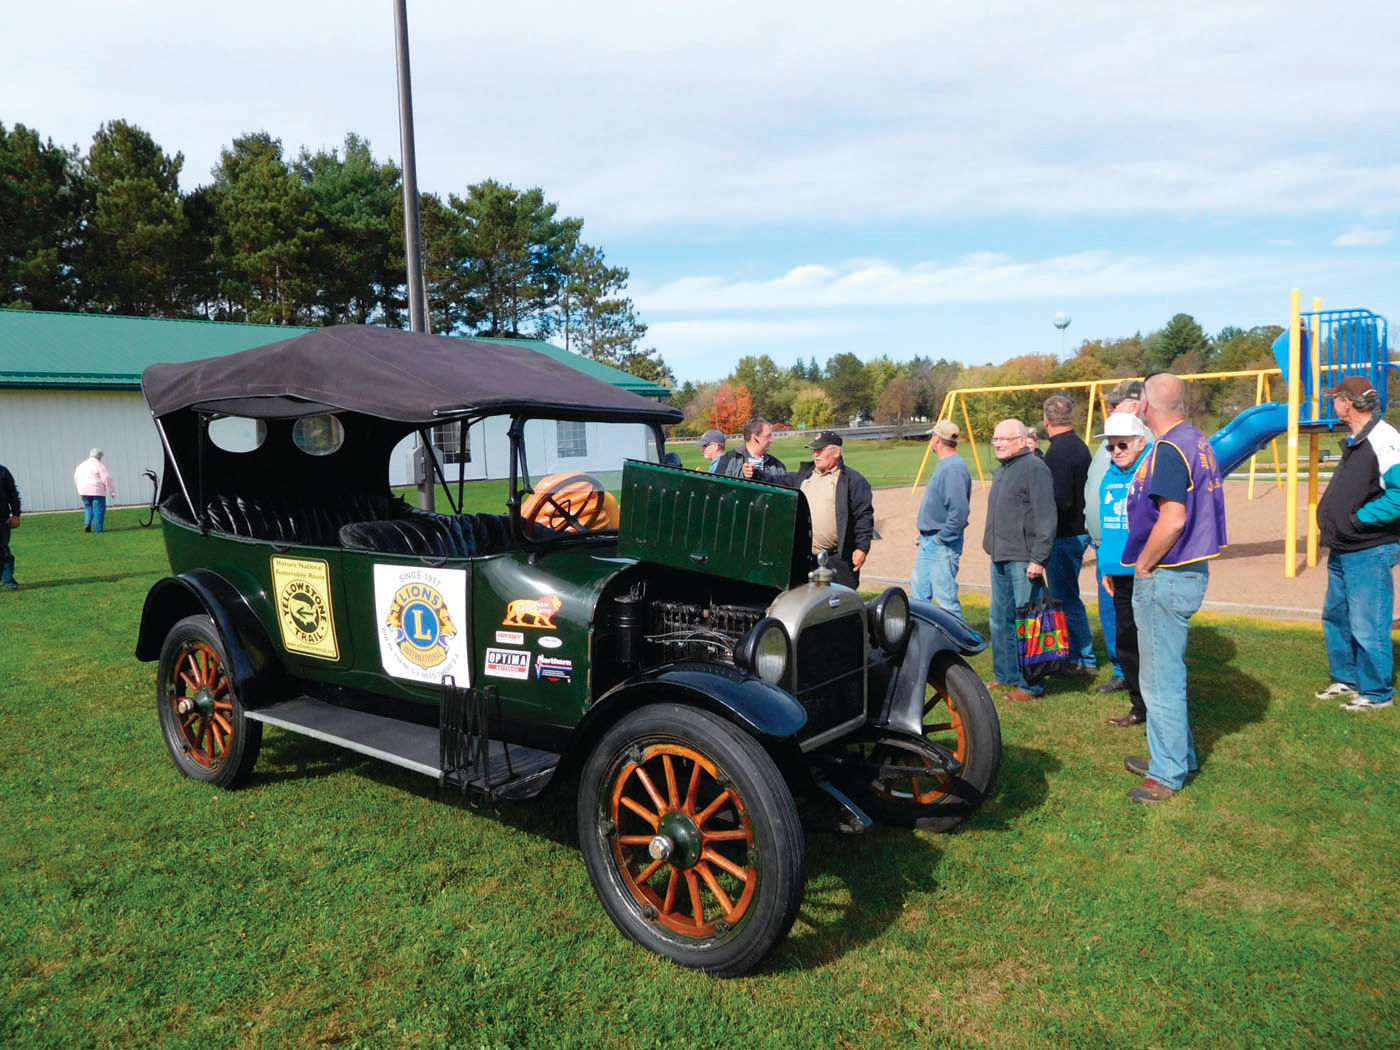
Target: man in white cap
942,522
94,485
1126,442
1359,518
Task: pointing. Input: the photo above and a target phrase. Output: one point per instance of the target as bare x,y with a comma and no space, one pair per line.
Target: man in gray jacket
1021,522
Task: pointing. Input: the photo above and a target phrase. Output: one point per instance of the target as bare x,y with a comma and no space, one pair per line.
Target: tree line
307,240
846,389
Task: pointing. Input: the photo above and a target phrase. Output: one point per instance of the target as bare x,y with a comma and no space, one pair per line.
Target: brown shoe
1132,718
1020,695
1137,766
1150,791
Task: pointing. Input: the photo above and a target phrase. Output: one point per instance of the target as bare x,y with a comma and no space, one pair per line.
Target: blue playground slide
1247,433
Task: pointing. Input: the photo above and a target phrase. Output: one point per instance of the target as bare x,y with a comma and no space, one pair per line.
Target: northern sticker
507,663
420,619
554,669
302,587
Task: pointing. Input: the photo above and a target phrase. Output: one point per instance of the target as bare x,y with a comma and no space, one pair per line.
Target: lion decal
532,612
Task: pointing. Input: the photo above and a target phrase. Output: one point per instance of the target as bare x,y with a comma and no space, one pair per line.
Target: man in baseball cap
712,447
1359,518
942,522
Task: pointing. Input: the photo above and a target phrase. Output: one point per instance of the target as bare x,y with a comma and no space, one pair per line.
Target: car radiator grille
831,672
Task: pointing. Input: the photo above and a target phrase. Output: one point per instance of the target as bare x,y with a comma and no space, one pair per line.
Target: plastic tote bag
1042,639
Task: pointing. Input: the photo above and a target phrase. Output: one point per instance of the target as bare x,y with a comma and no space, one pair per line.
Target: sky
803,180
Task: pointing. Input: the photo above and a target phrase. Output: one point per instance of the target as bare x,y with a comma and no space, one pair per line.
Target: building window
573,439
453,442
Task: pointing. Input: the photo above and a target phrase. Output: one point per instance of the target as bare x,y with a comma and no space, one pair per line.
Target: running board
512,772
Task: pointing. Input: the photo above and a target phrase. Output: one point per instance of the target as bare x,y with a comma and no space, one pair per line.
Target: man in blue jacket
942,522
1359,517
1019,535
9,519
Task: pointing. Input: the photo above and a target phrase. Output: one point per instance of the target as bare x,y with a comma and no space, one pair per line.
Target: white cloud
1361,237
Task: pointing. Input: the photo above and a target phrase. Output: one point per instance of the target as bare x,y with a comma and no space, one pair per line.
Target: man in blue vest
1176,524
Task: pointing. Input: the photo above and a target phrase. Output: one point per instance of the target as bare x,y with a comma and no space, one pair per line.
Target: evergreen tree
135,240
43,201
1182,336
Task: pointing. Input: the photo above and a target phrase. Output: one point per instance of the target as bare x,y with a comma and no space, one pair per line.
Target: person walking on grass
1176,525
1359,518
1019,535
942,522
94,485
9,521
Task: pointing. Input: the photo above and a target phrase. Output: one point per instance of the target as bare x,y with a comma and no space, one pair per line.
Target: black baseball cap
825,438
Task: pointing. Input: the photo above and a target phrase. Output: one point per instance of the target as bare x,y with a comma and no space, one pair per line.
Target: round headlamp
889,619
765,650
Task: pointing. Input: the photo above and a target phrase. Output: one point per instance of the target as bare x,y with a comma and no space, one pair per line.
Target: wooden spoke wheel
201,717
692,839
959,716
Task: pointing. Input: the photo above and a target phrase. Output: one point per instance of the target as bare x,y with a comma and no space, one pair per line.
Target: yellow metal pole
1089,415
1258,399
1313,438
976,458
1290,494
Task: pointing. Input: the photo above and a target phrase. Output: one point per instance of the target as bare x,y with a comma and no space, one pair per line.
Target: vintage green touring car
657,640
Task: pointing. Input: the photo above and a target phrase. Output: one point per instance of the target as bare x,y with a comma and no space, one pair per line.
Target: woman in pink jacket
94,484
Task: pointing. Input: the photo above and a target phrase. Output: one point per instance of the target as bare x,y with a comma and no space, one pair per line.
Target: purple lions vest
1204,534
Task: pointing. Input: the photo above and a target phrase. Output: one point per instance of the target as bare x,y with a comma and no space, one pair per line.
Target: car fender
758,707
932,630
255,663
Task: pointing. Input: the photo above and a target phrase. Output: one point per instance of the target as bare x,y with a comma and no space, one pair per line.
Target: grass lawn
339,902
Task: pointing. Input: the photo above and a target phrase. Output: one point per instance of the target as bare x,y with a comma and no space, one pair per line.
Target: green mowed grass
339,902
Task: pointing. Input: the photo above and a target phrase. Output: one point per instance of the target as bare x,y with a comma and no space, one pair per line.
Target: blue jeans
1010,588
1163,604
936,574
94,511
1356,617
1108,620
1062,572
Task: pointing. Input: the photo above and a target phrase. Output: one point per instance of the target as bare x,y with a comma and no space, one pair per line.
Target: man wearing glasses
1125,438
1019,535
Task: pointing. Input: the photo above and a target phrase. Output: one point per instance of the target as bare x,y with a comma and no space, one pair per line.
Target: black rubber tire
959,715
754,829
217,743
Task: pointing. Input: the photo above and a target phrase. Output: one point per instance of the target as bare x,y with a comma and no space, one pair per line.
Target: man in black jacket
1019,535
1068,459
758,436
1359,518
843,517
9,520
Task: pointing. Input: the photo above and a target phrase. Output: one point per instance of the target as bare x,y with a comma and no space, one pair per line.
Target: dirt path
1247,579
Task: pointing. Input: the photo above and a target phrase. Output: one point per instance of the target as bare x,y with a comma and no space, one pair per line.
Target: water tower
1061,321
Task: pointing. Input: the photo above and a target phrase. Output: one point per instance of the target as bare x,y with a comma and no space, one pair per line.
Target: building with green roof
71,382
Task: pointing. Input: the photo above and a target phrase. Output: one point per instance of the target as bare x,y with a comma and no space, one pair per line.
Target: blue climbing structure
1348,343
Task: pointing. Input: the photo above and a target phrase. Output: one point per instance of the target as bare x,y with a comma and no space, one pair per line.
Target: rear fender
932,630
255,662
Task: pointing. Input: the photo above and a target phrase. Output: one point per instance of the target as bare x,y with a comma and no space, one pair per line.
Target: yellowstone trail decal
302,590
421,618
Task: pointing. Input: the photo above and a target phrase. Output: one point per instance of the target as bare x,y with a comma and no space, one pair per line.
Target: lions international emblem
421,626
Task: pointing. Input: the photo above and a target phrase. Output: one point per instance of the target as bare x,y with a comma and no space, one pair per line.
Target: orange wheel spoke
715,888
721,861
636,807
737,835
645,781
672,885
646,873
673,796
712,808
697,904
693,790
937,727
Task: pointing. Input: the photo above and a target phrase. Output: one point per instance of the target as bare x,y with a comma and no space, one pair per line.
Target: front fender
762,709
255,662
932,630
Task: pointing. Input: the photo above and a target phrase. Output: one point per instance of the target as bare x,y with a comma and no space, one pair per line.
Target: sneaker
1336,691
1362,704
1150,791
10,585
1080,671
1116,684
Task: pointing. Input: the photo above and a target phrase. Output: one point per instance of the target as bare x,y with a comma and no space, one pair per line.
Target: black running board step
405,744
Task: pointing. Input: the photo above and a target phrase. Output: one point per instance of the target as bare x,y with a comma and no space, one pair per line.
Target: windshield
561,446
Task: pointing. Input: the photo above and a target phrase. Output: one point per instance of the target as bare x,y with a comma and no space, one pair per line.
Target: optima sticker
303,591
420,618
507,663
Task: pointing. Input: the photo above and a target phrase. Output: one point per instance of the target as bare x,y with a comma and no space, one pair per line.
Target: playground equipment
1316,352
